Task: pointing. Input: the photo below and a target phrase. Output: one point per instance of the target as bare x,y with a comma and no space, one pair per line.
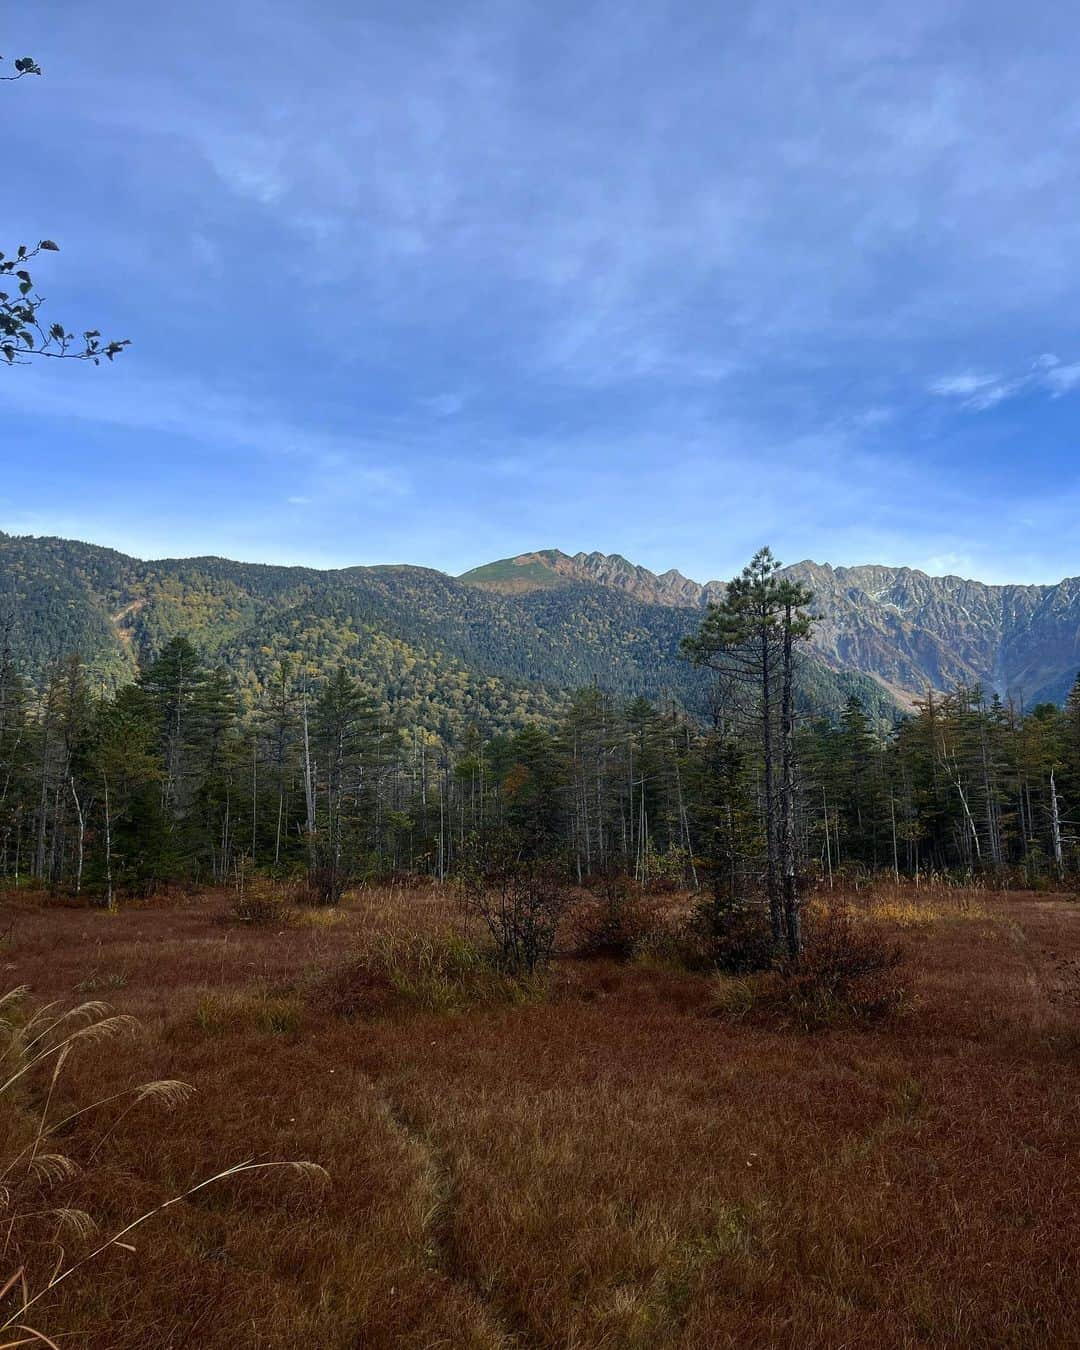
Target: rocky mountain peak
909,630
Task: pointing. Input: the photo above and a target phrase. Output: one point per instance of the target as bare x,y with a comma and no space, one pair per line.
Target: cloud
962,386
978,392
1054,376
456,273
599,194
1063,379
214,416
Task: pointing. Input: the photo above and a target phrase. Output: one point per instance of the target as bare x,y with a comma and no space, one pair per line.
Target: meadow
622,1154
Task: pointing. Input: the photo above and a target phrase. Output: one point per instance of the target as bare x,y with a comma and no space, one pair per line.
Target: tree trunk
81,836
828,837
1055,826
309,791
792,906
108,847
771,887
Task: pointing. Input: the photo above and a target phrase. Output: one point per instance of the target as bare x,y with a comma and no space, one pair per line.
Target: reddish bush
522,906
615,921
848,971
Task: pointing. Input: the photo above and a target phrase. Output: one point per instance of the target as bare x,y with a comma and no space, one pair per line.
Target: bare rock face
909,630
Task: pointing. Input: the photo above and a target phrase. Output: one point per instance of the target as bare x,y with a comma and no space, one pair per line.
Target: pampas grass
34,1047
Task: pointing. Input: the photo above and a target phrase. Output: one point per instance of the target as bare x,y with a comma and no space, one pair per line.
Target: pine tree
749,638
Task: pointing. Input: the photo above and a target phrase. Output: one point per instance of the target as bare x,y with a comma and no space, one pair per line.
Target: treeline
964,783
174,778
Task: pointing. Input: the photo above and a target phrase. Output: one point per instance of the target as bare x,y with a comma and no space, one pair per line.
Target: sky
439,284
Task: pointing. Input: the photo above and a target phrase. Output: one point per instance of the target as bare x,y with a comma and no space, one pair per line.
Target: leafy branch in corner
25,65
23,332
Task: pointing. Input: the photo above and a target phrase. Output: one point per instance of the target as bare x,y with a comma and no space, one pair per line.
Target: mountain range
502,645
905,629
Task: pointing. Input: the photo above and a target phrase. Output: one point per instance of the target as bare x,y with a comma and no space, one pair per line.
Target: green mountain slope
516,576
436,652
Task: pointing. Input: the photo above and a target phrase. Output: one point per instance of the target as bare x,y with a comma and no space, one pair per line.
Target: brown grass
603,1166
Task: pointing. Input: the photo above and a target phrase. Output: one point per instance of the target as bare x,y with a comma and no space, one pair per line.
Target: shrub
258,911
665,873
261,902
734,937
848,971
323,886
616,922
522,905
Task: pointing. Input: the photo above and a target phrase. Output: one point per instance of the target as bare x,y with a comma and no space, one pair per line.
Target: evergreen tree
749,638
346,729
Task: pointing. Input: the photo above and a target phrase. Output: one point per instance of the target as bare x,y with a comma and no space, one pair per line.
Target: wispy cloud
979,392
607,188
963,386
1062,379
213,416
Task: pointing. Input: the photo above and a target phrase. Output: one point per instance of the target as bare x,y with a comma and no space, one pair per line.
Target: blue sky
441,283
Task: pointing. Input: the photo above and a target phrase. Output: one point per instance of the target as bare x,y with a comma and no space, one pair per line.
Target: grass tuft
239,1011
442,973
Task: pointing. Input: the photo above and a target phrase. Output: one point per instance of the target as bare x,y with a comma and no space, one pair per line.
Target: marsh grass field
621,1155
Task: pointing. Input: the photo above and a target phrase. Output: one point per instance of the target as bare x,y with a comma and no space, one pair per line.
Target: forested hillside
430,650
